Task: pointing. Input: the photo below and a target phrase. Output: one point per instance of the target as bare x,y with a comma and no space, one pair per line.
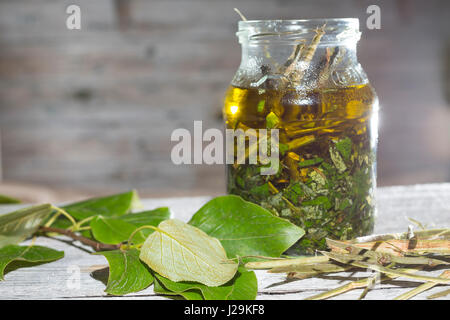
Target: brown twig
97,246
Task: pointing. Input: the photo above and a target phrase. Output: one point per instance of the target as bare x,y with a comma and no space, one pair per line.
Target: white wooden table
429,204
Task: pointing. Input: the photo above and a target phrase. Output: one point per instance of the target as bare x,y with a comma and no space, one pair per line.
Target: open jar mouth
336,30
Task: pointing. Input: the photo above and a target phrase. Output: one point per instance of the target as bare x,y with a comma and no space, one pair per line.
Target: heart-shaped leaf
127,273
18,225
115,205
243,286
188,294
245,228
146,218
32,254
181,252
113,231
118,229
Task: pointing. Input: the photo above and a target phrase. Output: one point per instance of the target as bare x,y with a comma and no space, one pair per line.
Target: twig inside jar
307,56
240,14
293,60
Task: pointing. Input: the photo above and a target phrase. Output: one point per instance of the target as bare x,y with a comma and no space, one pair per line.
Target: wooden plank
428,203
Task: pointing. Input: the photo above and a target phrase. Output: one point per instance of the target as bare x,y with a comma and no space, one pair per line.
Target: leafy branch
211,256
203,260
97,246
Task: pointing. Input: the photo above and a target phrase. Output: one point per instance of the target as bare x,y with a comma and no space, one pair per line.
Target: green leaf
283,148
29,254
145,218
61,222
188,294
117,230
320,200
344,146
272,120
261,105
261,191
245,228
127,273
310,162
18,225
191,290
114,231
8,200
243,286
181,252
115,205
337,160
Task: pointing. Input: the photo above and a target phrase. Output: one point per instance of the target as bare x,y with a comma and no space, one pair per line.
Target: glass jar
302,77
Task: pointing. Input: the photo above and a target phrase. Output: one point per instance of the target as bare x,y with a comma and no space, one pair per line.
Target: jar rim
336,30
317,20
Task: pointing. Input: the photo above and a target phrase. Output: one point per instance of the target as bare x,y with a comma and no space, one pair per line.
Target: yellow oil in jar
326,177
